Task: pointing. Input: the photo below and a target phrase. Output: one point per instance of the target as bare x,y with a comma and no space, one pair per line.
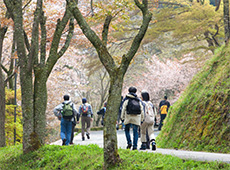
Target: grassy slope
200,119
91,157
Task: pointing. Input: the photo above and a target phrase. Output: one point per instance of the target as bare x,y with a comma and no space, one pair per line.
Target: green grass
91,157
199,120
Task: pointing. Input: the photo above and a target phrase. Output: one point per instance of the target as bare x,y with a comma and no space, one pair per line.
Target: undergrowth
90,157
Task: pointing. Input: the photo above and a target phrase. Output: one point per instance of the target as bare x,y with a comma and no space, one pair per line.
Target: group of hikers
136,113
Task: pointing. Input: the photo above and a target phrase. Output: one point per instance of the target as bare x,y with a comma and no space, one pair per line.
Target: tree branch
10,76
61,24
105,31
68,38
102,51
147,16
43,39
4,68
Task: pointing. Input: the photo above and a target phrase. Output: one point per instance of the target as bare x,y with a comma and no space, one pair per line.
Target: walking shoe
143,146
129,146
63,142
134,148
71,143
83,138
153,146
87,134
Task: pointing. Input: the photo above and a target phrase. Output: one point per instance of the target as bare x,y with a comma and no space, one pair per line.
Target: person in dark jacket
131,118
163,110
101,115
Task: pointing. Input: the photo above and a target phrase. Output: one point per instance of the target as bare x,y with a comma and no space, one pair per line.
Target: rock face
200,119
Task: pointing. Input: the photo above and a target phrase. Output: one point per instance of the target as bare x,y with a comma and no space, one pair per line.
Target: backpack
133,106
101,112
67,111
84,109
164,109
149,113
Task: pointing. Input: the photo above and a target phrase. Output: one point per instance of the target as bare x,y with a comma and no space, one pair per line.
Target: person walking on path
73,127
148,123
66,113
119,116
86,113
132,113
101,115
163,110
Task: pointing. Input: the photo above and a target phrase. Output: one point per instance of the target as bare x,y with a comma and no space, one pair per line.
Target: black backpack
133,106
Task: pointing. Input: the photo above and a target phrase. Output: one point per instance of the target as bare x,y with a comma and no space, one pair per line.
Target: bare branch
26,4
105,31
68,39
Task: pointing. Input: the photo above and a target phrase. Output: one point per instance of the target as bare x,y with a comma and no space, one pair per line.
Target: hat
84,100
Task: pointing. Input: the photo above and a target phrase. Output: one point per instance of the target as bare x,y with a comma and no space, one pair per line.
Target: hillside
200,119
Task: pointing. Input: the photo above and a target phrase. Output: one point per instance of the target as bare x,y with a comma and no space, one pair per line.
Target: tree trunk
2,111
2,92
40,103
226,20
111,156
25,80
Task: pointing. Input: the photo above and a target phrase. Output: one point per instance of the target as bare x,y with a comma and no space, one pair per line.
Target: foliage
182,29
9,120
91,157
199,120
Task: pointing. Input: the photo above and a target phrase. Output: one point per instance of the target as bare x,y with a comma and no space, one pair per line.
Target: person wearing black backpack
66,112
132,114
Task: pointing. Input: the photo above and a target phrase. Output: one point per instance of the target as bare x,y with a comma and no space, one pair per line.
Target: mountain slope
200,119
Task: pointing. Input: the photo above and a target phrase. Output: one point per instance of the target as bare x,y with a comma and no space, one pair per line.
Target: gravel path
96,137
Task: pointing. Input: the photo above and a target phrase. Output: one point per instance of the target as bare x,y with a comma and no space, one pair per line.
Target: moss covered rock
200,119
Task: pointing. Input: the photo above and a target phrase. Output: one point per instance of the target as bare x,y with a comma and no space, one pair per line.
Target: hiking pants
85,121
163,116
99,117
66,130
72,133
135,134
149,128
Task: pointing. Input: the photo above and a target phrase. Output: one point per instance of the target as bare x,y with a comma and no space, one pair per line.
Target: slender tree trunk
111,155
226,20
2,92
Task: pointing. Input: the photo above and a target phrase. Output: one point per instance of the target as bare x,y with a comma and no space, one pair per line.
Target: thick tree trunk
226,20
2,111
111,156
40,103
25,80
2,93
27,107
